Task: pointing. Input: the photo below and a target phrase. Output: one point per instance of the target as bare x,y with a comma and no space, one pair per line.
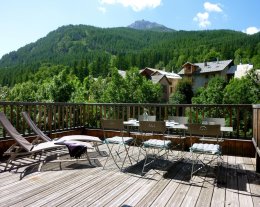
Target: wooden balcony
55,119
235,183
79,184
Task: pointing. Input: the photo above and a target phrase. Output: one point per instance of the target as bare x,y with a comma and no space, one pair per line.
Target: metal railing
55,117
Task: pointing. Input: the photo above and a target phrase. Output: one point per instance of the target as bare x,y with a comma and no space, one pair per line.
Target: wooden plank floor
235,183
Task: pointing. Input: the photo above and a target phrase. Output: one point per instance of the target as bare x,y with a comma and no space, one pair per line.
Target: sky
25,21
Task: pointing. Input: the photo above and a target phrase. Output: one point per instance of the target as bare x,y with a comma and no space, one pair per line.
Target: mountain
152,26
95,50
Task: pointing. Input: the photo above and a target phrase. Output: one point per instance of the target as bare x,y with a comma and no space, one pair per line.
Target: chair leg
112,156
145,163
127,155
192,167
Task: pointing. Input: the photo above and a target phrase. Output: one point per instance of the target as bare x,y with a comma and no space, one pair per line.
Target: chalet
200,73
166,79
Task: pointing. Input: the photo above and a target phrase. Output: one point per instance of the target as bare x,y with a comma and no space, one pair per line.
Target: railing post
256,134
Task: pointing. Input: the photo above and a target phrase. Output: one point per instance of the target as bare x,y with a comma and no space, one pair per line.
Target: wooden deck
234,184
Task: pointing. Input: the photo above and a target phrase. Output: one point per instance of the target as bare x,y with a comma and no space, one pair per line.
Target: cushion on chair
118,140
207,148
157,143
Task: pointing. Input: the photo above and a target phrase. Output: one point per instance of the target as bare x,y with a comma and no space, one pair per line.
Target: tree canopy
93,51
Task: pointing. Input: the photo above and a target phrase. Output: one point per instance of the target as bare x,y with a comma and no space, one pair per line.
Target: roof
157,78
169,75
208,67
232,69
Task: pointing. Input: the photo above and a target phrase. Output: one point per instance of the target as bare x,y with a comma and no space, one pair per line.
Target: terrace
236,183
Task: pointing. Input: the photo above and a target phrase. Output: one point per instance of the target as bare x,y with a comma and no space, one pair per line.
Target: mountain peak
146,25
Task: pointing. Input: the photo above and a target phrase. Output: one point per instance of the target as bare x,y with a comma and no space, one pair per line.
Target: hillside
97,48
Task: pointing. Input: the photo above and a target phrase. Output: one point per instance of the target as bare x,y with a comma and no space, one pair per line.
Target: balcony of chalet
236,182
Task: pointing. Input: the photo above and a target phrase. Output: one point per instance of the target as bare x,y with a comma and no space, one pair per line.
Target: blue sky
25,21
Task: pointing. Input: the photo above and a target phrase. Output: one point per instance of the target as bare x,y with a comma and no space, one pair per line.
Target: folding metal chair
160,147
180,132
207,134
121,152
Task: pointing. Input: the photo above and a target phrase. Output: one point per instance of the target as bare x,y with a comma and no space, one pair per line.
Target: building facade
200,73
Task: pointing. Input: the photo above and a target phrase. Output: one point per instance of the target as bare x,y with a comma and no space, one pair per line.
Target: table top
173,125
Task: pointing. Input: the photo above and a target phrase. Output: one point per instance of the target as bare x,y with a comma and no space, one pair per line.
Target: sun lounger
22,147
83,138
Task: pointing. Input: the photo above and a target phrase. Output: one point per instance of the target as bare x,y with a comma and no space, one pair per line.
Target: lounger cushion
83,138
55,144
45,146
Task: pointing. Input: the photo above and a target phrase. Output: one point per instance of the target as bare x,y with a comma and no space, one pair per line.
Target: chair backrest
204,130
14,133
110,124
33,126
210,121
152,126
179,119
149,118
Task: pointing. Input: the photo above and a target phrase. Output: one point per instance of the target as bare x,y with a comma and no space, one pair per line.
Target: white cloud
251,30
102,9
136,5
202,19
209,7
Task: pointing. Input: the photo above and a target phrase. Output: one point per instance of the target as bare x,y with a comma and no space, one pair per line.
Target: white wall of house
242,70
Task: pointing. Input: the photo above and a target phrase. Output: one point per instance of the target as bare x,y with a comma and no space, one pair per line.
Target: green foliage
60,88
115,88
24,92
134,88
183,94
4,93
78,64
243,91
92,51
212,94
139,89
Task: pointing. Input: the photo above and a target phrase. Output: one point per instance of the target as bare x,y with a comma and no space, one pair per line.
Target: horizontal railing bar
124,104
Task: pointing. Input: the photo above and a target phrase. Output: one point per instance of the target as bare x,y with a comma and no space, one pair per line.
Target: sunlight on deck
82,184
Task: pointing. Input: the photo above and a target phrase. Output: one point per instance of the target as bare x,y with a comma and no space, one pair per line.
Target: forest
94,50
77,63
